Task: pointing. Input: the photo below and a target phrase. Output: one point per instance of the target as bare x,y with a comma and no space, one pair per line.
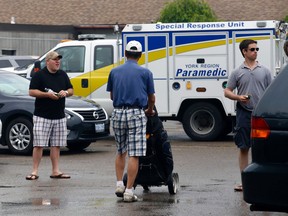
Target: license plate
99,128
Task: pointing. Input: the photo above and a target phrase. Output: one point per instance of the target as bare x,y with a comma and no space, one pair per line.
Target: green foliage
187,11
286,19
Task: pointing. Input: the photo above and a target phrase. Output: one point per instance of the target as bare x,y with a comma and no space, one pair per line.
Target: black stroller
155,169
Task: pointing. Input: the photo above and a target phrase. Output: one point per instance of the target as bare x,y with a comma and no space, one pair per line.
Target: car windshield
13,85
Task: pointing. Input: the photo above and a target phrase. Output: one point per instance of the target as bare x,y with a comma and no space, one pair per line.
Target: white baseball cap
134,46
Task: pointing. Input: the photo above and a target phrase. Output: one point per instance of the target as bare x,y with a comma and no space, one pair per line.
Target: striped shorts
49,132
129,127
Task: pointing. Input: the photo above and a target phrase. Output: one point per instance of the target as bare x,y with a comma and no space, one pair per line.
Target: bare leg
120,165
243,159
55,156
132,171
37,155
243,163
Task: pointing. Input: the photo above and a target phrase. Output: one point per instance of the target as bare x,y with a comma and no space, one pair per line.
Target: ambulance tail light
260,129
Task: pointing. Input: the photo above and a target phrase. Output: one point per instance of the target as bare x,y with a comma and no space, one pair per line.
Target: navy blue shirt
130,84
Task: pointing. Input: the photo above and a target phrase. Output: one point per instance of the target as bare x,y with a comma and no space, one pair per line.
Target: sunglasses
253,49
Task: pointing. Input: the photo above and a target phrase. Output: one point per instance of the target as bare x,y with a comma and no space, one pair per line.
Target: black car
265,180
86,120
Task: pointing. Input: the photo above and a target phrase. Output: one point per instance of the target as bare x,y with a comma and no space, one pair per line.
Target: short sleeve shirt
46,107
130,84
250,82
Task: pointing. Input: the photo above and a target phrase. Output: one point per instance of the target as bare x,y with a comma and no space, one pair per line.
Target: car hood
71,102
80,102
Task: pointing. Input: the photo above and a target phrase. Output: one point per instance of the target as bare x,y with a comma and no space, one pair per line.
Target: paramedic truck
190,63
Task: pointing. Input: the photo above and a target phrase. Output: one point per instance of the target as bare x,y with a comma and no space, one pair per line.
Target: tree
187,11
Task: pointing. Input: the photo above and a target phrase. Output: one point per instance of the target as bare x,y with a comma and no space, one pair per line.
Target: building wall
28,43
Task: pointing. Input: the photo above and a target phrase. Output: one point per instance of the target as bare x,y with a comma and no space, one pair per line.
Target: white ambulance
190,63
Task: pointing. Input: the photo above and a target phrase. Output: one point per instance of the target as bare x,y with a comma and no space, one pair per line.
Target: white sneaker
120,191
130,197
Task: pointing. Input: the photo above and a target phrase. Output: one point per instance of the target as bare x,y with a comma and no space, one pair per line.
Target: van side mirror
36,68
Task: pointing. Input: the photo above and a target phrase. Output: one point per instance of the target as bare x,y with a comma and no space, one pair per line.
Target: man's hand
62,94
244,98
149,112
53,95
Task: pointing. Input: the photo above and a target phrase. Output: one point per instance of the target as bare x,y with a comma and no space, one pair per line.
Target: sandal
60,176
32,177
238,188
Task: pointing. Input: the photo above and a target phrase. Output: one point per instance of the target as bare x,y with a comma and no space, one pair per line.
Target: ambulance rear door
155,57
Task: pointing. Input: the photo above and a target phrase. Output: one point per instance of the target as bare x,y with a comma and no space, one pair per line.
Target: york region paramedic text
201,71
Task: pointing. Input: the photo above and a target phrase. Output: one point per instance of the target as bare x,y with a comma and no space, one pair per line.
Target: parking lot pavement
207,173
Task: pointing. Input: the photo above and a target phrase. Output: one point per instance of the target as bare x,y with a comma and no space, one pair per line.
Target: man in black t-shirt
49,86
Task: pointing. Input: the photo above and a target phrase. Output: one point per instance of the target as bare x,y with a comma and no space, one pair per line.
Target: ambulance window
103,56
73,58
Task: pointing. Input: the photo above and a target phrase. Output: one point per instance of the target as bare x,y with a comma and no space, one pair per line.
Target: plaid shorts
49,132
129,127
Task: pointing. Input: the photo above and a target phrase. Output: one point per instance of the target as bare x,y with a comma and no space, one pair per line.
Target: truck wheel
203,122
19,136
78,146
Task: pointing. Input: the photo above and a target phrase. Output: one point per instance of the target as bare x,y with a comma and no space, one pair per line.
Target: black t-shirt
46,107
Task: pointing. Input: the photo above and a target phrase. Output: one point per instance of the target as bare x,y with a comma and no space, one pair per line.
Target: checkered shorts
54,130
129,127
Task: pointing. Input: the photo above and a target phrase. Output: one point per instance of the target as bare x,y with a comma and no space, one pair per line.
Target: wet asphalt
207,173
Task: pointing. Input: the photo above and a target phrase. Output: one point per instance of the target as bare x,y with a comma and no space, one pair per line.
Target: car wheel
203,122
19,136
77,146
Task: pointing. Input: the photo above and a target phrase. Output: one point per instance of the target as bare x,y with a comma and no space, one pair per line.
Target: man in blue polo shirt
131,88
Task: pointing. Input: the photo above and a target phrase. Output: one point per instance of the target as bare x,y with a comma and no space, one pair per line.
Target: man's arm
39,94
151,103
69,92
231,95
66,93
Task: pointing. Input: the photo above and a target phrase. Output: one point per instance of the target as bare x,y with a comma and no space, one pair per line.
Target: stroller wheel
145,187
173,183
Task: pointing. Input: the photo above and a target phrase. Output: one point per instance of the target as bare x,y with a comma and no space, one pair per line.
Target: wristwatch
67,93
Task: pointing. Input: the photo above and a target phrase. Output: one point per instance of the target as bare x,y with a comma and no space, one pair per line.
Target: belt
128,107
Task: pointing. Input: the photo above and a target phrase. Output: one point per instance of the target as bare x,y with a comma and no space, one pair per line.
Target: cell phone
248,96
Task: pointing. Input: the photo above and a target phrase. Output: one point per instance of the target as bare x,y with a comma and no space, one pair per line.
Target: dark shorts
243,128
242,138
